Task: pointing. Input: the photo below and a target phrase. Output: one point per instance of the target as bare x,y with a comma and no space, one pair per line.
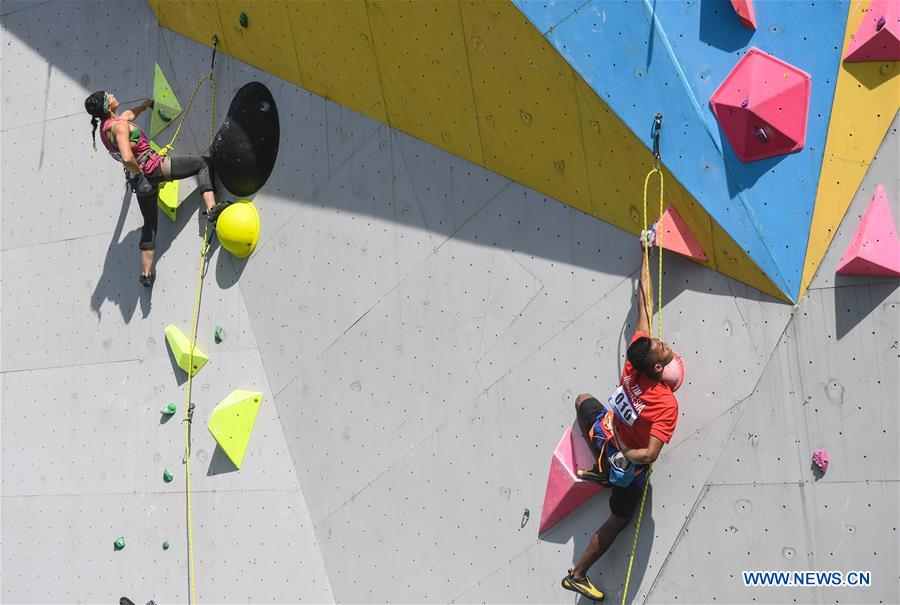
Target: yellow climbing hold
231,423
167,196
181,349
238,228
165,104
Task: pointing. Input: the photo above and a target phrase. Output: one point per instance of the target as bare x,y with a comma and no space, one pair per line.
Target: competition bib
621,405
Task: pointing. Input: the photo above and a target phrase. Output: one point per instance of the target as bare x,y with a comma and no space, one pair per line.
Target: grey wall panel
346,252
528,577
737,528
764,317
115,407
60,548
52,60
847,536
70,202
404,371
450,189
79,301
883,171
819,393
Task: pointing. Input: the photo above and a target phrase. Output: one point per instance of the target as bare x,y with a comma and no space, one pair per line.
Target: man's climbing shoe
584,587
147,280
593,474
212,215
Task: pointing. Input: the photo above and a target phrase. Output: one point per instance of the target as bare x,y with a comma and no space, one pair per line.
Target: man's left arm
644,455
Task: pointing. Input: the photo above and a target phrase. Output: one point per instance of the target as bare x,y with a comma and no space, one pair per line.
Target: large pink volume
878,36
762,106
874,249
565,491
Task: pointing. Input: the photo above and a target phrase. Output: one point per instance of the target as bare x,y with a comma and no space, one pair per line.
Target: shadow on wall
853,301
719,27
872,74
118,281
610,571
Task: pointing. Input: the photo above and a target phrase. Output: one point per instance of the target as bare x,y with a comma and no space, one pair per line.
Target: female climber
144,168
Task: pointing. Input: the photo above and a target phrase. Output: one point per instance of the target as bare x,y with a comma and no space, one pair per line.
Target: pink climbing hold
565,491
878,36
673,373
745,12
762,106
874,249
820,459
677,237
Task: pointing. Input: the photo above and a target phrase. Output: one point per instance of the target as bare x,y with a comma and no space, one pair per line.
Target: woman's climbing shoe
147,280
212,215
584,587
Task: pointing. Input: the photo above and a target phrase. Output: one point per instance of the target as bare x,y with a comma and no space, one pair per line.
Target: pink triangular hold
677,237
745,12
565,491
874,249
878,36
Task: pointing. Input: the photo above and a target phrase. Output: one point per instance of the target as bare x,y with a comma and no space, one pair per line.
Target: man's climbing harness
657,126
189,405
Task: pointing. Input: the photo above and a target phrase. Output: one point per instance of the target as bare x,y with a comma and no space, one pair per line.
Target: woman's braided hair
96,105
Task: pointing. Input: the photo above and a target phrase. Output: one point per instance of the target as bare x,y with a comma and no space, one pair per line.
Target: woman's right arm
123,142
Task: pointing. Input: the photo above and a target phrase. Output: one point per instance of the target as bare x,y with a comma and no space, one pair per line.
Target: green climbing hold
165,117
220,334
169,410
119,544
165,545
243,19
168,476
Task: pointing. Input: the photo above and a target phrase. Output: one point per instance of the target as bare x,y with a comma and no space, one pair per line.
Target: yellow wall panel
197,19
422,61
336,54
866,98
267,42
525,94
474,78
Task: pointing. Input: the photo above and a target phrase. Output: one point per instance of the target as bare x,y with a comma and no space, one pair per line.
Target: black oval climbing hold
246,147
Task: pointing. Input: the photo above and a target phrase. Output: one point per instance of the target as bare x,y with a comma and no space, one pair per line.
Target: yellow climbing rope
189,407
165,150
188,417
171,144
649,311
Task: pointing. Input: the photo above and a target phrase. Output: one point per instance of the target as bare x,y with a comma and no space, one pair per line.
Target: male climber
627,434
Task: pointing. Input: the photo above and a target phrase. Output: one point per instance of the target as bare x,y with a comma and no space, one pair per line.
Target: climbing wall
419,326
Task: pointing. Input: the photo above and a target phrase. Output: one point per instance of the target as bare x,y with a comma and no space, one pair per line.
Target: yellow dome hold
238,228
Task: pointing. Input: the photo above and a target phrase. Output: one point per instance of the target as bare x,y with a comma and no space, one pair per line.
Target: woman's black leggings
178,167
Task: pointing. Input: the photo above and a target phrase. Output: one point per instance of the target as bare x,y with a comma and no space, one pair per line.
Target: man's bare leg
599,544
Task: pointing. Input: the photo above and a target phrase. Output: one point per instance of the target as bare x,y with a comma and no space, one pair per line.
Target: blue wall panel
674,67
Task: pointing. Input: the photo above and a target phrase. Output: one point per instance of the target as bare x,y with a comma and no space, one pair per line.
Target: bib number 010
621,404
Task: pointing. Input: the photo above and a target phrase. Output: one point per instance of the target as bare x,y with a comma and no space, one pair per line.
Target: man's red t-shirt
654,403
